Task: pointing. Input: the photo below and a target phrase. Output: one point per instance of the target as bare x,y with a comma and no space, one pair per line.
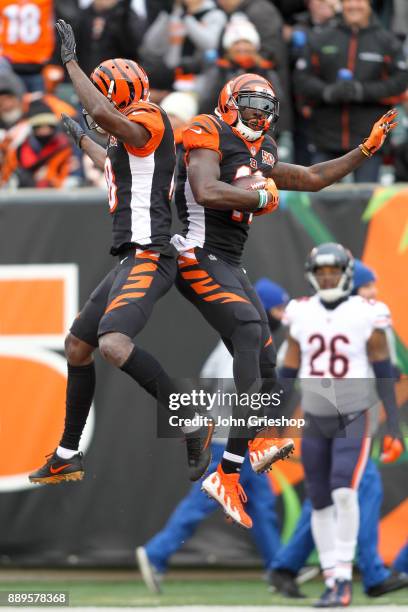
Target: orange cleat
263,452
227,491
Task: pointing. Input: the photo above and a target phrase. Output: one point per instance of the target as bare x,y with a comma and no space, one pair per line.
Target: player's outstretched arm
94,151
378,354
99,107
318,176
210,192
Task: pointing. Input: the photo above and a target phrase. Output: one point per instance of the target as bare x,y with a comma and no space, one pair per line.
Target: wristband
263,198
364,150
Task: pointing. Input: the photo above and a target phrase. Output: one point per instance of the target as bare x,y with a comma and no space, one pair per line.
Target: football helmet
248,91
122,81
331,254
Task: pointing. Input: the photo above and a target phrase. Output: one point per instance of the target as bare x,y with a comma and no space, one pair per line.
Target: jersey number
23,23
338,363
112,187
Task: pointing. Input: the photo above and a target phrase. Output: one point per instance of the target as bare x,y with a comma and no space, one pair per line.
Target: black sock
246,341
237,447
147,371
80,392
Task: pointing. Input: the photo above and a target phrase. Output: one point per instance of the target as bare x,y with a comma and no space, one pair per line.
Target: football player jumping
216,215
335,341
139,166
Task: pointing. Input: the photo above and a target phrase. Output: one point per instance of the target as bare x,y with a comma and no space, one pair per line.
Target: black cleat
284,582
327,599
199,450
397,580
58,470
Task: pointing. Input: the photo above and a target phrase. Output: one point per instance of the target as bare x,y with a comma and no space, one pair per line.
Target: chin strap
246,132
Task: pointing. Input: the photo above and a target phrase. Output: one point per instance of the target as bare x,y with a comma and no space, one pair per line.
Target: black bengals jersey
224,233
140,182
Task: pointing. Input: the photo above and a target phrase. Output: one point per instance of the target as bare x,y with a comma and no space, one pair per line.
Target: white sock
237,459
66,453
347,523
323,530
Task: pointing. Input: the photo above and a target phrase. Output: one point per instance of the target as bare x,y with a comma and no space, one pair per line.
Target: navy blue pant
295,553
334,454
196,506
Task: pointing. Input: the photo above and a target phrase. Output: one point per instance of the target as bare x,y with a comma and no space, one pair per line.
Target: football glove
73,129
392,449
68,44
273,195
379,133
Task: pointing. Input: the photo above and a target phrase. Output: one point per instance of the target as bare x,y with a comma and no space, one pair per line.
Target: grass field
118,589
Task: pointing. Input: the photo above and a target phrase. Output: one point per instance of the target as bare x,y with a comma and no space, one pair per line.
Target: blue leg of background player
401,562
295,553
261,508
370,495
196,506
188,514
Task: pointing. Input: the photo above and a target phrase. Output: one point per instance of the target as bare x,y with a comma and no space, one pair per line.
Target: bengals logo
37,306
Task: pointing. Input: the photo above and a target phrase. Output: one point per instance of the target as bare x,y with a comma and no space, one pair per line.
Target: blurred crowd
336,66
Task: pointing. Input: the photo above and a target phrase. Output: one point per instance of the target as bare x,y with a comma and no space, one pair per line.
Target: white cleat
227,491
150,575
264,452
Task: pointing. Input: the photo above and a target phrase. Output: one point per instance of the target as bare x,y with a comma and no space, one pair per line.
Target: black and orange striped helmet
122,81
248,91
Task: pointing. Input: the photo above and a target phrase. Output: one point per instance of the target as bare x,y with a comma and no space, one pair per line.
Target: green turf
186,592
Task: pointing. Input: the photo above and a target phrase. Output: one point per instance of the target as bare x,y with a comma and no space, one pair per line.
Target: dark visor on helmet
266,104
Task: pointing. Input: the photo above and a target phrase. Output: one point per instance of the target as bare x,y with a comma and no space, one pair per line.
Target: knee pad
344,498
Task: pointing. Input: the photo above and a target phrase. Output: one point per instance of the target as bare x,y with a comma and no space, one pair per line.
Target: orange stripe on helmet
131,83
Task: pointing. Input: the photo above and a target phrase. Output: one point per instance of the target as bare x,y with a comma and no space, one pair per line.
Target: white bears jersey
333,344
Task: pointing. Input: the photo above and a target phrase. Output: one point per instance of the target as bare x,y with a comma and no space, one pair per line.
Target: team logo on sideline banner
37,306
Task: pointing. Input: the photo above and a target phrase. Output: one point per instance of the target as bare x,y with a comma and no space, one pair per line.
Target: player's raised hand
273,203
68,44
73,129
393,448
379,133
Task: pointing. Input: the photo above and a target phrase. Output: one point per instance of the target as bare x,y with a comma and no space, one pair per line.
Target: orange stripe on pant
226,297
139,282
363,457
146,267
147,255
118,303
134,281
187,259
203,286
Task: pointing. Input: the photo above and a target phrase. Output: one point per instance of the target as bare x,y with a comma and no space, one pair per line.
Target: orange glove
273,192
379,133
392,449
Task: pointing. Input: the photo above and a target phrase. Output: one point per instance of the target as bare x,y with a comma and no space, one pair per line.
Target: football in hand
250,182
